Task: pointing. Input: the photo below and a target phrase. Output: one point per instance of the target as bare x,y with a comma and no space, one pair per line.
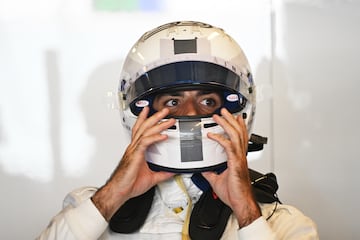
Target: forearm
243,203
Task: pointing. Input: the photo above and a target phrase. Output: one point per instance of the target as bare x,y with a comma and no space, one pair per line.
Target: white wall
316,117
59,67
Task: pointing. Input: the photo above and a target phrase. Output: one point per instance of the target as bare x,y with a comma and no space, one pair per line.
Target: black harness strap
132,215
209,216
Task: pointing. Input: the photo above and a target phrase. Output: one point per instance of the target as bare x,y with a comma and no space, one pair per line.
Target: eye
208,102
172,103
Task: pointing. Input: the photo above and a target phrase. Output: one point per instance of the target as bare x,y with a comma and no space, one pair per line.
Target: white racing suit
81,220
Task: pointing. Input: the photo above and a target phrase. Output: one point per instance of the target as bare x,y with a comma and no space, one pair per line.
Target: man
187,95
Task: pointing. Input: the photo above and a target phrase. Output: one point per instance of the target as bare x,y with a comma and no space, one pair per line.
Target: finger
230,130
160,127
237,122
156,129
141,118
162,176
234,126
231,119
226,143
243,132
150,122
144,142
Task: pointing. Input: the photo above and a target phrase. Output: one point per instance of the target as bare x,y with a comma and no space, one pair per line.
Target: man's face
188,103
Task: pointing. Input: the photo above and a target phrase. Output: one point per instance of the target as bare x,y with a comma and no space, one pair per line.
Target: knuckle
228,145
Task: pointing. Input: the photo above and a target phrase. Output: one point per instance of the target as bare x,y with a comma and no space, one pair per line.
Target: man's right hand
133,177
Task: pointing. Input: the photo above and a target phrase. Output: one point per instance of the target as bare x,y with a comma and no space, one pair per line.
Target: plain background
60,128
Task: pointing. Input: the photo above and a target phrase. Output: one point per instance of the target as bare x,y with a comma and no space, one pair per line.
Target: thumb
162,176
210,177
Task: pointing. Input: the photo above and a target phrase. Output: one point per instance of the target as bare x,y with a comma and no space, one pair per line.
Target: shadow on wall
32,203
99,105
101,118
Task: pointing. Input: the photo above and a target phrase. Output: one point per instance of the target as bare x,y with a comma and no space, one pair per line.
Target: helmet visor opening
218,83
191,102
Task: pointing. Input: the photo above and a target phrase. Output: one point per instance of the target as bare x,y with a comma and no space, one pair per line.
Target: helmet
186,55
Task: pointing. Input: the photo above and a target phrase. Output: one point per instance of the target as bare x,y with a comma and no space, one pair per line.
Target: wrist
107,201
247,214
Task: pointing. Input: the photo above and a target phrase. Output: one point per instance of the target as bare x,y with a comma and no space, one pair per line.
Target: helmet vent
185,46
172,127
209,125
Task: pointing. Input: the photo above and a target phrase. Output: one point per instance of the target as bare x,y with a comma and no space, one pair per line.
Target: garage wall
316,82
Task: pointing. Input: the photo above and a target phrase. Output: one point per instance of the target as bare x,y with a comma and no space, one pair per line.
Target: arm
233,186
287,223
131,178
290,223
79,218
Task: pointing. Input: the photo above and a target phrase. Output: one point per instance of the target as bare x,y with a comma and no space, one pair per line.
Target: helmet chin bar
256,143
189,150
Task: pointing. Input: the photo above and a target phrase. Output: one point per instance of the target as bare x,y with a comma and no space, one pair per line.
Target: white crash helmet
186,55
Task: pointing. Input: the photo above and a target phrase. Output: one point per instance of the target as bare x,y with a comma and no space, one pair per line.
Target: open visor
186,75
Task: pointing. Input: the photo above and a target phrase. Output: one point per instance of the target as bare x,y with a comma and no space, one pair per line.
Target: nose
190,109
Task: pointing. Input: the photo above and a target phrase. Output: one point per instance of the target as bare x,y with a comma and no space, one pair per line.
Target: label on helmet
142,103
232,97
